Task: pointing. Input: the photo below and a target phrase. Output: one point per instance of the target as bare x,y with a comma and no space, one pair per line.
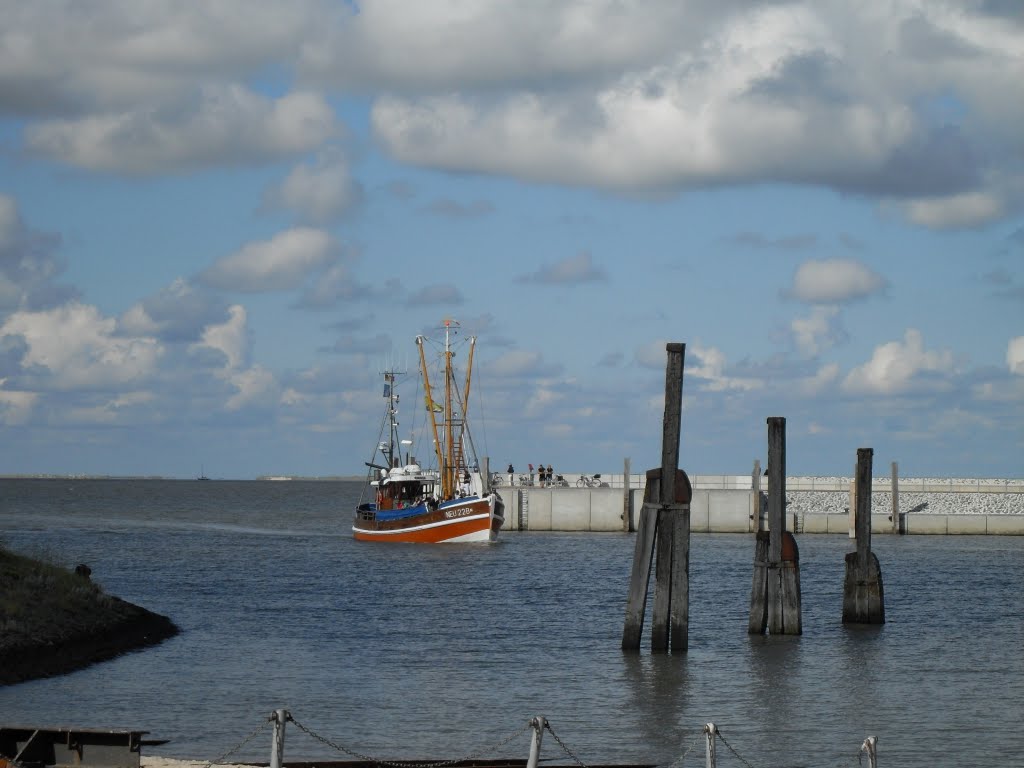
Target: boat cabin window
399,495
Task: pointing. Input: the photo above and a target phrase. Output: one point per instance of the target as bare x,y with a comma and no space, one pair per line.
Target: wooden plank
792,610
759,589
663,580
862,520
673,416
776,487
636,602
679,610
627,511
643,553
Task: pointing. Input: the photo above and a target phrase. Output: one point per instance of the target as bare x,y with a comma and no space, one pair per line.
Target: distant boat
452,503
202,474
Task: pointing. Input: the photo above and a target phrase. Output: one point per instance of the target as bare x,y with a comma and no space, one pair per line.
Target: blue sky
220,221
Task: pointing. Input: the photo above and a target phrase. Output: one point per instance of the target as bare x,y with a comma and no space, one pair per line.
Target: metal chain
240,744
562,744
393,764
679,760
730,748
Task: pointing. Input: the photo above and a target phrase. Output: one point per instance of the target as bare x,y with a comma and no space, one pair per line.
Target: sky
221,221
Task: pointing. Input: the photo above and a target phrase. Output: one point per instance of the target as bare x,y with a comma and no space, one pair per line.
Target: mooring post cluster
775,600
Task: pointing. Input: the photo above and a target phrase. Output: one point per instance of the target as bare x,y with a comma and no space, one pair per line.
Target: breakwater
729,504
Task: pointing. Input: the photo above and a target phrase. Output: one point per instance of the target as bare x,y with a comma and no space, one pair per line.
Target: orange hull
473,522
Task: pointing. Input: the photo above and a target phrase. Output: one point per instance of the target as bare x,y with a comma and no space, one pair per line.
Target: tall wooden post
775,604
755,497
895,498
627,507
863,596
664,523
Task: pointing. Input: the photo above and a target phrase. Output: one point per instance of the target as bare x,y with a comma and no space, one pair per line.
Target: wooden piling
896,498
775,602
863,595
627,507
755,498
664,524
643,555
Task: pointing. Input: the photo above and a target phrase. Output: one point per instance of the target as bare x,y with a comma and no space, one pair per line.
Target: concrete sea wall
727,504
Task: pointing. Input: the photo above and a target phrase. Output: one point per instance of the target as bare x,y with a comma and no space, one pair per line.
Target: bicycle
495,479
587,481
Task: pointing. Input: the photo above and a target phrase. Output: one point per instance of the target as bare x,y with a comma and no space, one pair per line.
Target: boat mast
429,398
448,476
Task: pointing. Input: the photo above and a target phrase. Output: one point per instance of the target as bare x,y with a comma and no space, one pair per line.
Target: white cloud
710,365
226,125
518,362
9,222
968,209
281,263
230,338
1015,355
824,378
899,367
16,406
78,348
834,281
570,270
318,192
256,387
816,94
817,332
440,293
904,101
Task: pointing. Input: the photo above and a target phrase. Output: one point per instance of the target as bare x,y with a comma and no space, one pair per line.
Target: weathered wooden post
280,717
853,504
627,512
775,604
755,497
863,596
896,498
665,522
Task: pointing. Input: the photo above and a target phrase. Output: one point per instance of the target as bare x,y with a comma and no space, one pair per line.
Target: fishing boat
453,500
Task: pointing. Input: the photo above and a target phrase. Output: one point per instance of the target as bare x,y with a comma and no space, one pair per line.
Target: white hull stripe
438,524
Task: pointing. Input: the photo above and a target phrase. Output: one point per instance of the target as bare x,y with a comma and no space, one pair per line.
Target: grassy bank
53,621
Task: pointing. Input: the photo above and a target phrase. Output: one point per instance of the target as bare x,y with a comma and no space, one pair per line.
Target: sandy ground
174,762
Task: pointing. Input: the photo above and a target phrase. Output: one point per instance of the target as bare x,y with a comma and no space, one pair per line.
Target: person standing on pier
511,474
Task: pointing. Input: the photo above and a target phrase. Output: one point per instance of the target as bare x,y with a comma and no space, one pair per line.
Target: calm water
407,651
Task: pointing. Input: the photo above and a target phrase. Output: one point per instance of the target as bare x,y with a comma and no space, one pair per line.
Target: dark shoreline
54,621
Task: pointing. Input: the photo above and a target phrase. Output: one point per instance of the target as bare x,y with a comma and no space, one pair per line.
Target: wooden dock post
755,497
863,596
896,499
627,507
775,604
665,524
